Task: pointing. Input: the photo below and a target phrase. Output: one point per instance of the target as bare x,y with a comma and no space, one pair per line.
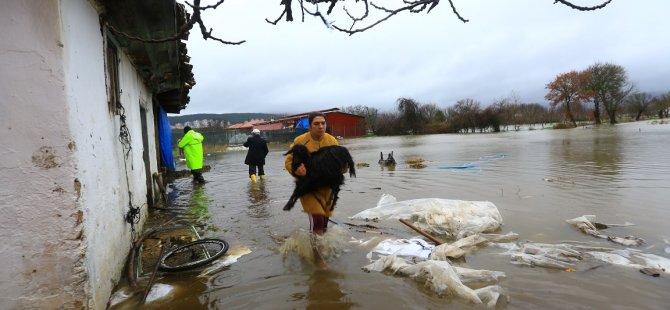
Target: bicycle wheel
193,254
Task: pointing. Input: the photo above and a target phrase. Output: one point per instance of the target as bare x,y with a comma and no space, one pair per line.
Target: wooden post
423,233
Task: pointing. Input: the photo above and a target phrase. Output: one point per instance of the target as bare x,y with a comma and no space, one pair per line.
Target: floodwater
537,179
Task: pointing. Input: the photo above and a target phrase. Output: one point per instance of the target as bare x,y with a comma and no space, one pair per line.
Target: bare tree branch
276,20
195,18
412,6
355,19
211,6
583,8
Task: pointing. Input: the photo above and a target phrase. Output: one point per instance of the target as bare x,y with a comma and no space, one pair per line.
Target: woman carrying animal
315,204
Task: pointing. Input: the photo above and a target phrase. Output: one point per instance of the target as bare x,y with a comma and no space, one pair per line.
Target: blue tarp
165,139
302,123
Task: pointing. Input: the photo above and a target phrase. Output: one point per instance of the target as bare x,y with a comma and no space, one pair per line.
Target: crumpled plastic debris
442,278
633,258
230,258
566,256
586,224
556,256
460,247
403,247
441,217
158,291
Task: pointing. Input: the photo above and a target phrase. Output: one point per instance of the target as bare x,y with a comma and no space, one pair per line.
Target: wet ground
537,179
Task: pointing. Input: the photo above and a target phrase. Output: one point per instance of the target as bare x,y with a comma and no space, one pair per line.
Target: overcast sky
508,47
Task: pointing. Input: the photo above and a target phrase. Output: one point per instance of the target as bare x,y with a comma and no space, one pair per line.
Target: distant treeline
575,96
232,118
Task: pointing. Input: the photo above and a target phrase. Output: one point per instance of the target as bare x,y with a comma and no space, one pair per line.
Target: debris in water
440,217
651,272
586,225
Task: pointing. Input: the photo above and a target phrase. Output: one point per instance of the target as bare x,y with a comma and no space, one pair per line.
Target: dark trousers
252,169
197,176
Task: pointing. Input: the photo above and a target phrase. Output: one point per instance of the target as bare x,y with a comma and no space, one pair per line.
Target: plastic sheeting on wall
302,123
165,139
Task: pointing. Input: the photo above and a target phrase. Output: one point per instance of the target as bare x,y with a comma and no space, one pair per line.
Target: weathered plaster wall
63,188
101,161
42,252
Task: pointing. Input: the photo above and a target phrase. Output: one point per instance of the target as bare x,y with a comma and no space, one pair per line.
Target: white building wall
40,220
109,177
63,190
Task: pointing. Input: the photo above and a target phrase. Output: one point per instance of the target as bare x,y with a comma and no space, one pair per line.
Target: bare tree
369,113
638,103
432,113
371,14
387,124
569,89
367,16
463,115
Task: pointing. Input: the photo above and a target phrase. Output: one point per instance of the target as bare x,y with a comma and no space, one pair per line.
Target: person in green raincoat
192,145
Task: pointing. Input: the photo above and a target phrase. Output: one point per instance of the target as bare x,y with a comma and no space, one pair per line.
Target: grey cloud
507,46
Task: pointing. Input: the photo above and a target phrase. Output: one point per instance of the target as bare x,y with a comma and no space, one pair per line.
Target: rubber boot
253,178
262,177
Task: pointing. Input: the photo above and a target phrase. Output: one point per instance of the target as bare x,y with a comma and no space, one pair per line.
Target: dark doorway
145,156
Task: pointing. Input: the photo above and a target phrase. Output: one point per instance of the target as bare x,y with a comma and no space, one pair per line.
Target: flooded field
537,179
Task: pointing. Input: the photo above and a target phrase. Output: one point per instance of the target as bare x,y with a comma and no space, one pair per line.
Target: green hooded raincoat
192,145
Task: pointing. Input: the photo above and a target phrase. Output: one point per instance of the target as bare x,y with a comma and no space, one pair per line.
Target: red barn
338,123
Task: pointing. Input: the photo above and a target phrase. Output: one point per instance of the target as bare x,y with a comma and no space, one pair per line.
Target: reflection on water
618,173
325,292
258,199
198,206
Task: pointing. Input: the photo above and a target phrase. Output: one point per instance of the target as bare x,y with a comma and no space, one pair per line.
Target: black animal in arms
325,168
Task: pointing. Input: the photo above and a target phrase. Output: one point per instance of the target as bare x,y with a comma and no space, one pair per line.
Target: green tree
432,113
609,86
662,105
411,118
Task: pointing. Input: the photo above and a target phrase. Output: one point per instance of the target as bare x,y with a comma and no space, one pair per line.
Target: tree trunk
596,111
637,118
569,113
612,116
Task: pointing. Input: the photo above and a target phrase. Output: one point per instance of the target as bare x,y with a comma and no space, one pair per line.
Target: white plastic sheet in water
444,217
633,258
443,278
403,247
461,246
586,223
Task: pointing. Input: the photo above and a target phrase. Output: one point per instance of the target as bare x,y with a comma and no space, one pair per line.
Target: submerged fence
220,137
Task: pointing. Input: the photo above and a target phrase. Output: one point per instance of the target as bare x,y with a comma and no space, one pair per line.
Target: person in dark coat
258,149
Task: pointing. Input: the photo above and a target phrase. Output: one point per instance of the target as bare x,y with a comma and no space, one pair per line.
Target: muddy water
537,179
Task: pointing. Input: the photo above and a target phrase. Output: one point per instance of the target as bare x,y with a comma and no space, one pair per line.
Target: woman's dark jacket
258,148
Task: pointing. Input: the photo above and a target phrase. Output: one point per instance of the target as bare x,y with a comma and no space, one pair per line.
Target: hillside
231,118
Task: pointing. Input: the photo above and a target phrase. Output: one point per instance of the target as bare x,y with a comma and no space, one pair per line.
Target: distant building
340,124
248,125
